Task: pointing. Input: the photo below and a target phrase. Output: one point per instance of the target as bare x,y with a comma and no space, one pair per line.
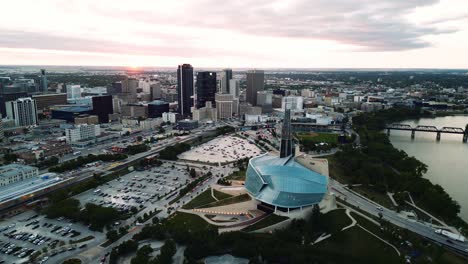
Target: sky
237,34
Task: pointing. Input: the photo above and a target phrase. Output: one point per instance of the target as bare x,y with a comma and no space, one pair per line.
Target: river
447,159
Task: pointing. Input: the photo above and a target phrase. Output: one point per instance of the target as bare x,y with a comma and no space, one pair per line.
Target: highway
421,228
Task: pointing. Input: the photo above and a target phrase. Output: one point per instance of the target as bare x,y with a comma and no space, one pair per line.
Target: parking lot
29,232
138,189
222,149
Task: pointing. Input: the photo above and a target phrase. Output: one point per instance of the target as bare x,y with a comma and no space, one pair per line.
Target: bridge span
433,129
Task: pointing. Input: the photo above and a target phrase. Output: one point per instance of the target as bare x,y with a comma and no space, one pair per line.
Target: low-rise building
12,173
170,117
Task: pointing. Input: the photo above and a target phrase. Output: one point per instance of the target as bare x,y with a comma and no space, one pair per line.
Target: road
421,228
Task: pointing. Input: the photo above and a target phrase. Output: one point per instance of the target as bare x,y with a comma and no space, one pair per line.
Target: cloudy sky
240,33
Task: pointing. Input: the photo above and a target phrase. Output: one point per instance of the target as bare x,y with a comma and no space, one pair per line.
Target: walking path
390,195
212,194
433,217
381,239
353,221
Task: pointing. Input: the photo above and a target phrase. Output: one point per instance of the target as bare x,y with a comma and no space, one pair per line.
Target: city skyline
265,34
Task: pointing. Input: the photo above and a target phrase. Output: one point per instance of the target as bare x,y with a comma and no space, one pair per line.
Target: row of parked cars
25,236
12,249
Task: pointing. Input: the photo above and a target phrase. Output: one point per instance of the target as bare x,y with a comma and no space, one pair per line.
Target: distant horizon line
236,68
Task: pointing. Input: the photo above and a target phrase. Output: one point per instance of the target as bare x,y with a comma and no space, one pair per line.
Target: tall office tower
73,91
43,81
226,76
206,88
286,137
102,107
255,83
132,85
155,91
23,111
185,89
234,87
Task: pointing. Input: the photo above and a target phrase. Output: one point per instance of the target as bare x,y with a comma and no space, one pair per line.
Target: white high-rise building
226,106
82,132
73,91
294,103
23,111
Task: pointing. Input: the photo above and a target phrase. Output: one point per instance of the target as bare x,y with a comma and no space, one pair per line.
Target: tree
112,235
139,138
193,173
167,251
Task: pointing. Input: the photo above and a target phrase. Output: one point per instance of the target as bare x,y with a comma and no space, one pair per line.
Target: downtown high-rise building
255,83
206,88
23,111
103,107
43,81
225,84
185,89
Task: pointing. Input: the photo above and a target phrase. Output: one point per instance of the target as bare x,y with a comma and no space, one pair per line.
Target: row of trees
171,152
135,149
224,130
80,161
94,215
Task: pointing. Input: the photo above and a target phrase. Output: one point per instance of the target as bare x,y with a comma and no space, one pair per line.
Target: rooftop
13,169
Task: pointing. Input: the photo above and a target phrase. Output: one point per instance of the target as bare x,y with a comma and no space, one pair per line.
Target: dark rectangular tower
255,83
185,89
206,88
102,107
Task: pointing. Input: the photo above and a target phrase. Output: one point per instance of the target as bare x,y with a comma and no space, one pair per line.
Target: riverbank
445,158
380,165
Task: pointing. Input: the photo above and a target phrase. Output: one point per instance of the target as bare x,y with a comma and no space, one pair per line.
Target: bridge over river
432,129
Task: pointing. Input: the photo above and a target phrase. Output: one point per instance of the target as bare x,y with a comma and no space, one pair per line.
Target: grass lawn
357,246
237,176
335,220
267,221
202,199
231,200
189,221
221,195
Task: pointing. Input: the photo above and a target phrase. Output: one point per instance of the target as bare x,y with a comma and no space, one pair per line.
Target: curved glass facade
283,182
